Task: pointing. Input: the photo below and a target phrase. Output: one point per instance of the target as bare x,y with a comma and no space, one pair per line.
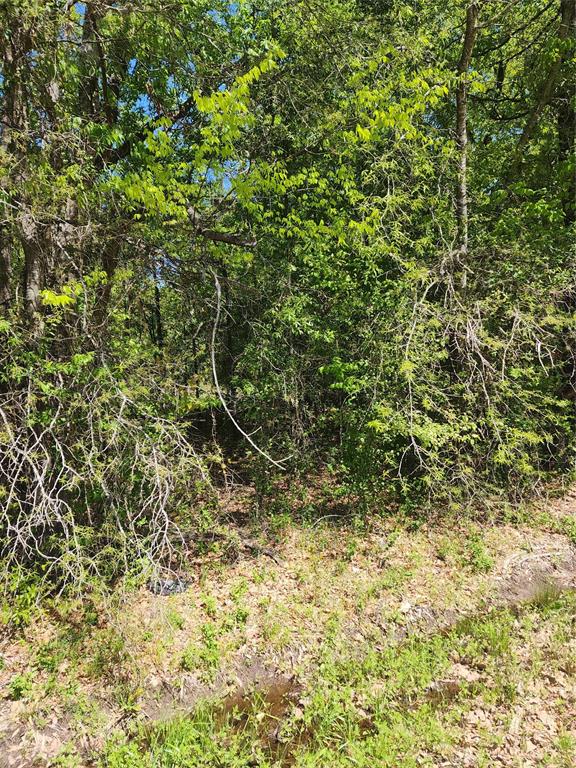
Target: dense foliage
346,227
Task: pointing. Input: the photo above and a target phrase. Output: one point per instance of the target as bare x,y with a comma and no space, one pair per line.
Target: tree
223,221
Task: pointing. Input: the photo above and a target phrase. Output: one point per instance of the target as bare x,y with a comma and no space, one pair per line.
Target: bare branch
219,237
277,464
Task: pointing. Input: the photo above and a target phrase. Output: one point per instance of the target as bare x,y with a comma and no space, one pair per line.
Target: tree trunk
33,271
11,115
462,128
110,258
547,90
5,269
87,93
567,110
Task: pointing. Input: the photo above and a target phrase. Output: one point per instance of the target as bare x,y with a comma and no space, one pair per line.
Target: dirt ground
263,622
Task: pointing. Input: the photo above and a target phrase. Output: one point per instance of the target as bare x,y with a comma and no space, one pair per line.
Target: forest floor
441,643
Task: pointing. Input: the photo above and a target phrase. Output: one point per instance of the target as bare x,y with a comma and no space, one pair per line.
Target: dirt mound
537,576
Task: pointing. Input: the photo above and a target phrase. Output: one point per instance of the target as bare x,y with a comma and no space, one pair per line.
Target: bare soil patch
259,626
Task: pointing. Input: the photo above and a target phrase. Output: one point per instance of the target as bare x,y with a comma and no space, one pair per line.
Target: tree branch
219,237
277,464
462,128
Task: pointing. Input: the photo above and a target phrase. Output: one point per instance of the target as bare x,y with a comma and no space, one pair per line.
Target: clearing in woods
439,644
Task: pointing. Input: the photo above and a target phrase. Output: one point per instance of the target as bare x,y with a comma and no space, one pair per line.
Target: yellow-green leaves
64,299
391,96
228,111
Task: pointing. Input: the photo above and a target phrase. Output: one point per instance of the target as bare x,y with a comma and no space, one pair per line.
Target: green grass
366,712
361,701
369,707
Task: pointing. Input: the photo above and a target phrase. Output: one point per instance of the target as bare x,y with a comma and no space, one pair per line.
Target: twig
277,464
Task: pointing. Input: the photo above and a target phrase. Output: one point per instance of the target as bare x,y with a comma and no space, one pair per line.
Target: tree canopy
339,232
